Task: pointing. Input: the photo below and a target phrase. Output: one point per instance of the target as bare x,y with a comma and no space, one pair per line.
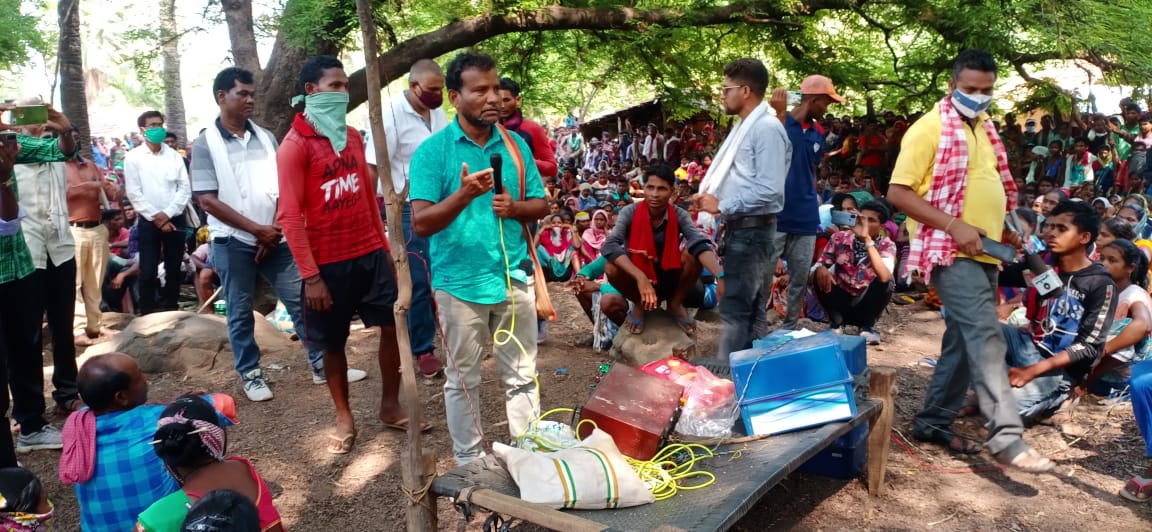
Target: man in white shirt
410,118
235,180
156,181
39,180
653,146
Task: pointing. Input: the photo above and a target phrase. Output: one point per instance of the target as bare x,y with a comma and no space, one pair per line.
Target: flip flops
945,438
341,444
402,426
1025,458
1138,489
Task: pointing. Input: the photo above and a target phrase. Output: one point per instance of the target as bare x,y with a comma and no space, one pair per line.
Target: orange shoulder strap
517,157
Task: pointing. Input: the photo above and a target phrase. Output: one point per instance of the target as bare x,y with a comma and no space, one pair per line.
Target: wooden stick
532,512
210,300
421,506
882,388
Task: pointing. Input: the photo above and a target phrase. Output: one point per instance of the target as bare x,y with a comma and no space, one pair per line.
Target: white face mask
970,105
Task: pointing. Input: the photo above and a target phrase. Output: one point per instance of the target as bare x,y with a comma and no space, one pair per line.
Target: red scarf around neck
642,242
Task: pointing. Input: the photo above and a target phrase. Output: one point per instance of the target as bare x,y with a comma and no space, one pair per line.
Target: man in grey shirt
644,260
744,187
234,177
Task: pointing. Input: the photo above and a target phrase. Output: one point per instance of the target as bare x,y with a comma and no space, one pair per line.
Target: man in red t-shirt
330,217
873,153
513,119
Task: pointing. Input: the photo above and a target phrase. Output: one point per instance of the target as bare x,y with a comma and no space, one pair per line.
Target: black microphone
496,161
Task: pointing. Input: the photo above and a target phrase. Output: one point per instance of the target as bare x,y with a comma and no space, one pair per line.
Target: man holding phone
799,221
952,180
39,181
156,181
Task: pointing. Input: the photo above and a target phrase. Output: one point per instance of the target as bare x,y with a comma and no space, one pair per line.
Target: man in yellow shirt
958,203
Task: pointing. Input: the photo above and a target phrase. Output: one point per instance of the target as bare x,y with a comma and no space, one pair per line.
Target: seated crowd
625,218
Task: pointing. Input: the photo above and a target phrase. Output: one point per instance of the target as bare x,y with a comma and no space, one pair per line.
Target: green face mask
327,111
156,135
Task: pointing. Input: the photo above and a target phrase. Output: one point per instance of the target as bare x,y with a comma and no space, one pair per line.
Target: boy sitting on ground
1067,330
644,259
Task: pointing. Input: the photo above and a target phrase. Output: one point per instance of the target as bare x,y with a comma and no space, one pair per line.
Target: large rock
185,341
661,338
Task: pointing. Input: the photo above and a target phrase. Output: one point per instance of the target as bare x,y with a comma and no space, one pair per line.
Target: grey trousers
972,353
797,251
468,328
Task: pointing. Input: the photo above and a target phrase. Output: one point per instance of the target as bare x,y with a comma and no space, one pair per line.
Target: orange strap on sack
544,308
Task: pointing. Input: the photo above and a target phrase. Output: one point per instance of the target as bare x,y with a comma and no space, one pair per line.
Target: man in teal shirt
481,270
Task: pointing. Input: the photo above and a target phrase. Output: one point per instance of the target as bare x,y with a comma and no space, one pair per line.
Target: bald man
409,118
130,476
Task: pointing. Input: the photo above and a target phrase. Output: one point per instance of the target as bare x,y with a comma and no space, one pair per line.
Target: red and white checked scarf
932,246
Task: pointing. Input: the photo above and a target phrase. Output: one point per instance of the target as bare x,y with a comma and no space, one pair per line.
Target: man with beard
234,178
332,222
513,119
482,270
745,185
409,119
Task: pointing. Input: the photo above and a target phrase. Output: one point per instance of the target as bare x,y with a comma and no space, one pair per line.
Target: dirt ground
927,487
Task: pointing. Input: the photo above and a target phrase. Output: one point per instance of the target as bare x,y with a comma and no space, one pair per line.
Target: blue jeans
744,306
422,313
1141,383
1044,394
236,265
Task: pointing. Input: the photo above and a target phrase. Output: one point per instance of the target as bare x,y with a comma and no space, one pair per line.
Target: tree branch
470,31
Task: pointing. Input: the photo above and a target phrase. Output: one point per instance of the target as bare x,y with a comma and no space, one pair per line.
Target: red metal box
636,409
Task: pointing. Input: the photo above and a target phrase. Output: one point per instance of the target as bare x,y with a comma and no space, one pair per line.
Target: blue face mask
970,105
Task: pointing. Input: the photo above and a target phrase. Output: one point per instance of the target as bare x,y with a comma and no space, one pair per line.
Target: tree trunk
238,15
170,52
277,84
70,58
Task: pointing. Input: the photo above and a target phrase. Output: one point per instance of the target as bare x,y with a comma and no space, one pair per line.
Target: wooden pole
532,512
882,388
421,505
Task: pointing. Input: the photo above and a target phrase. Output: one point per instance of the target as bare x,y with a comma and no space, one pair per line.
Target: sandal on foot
947,439
341,445
687,325
634,325
1138,489
402,425
1025,458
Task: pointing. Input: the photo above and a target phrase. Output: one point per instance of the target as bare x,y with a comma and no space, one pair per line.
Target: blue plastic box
845,458
854,347
855,353
792,384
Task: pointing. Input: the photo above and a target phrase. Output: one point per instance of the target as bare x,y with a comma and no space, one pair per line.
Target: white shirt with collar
156,182
404,130
43,197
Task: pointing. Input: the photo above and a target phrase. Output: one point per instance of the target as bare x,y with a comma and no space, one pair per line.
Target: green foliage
893,54
20,32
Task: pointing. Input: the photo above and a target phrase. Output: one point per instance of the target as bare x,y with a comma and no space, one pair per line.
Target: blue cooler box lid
800,411
788,367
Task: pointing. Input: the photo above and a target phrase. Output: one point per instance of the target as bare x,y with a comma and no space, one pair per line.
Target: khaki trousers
91,263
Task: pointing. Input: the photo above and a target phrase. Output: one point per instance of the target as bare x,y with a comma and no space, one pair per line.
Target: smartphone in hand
1003,252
